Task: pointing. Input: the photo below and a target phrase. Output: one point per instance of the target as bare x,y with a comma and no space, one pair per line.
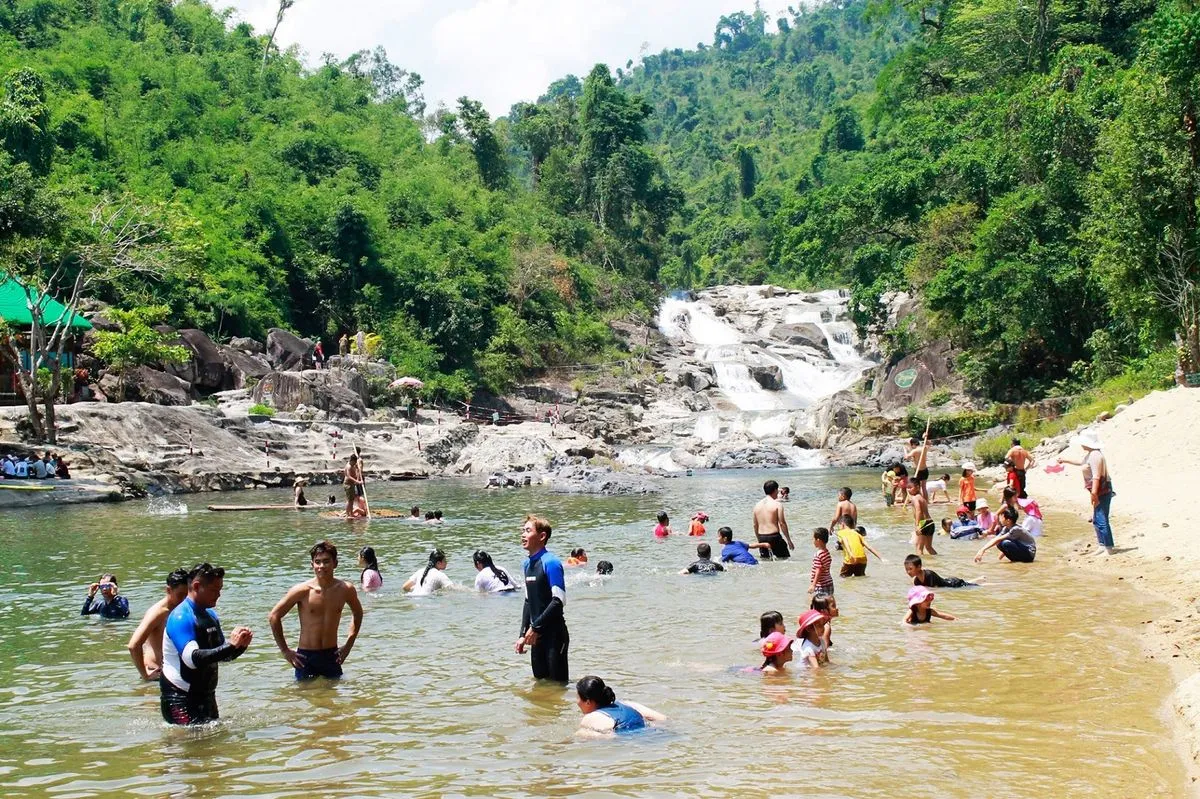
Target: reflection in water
1032,692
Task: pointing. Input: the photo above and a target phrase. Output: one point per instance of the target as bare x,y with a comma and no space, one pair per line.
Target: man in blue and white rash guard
193,645
543,626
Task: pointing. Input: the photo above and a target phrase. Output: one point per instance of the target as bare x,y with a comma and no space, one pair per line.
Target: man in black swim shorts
770,526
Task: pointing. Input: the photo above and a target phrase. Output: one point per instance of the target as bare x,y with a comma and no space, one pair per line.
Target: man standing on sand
924,527
1022,462
193,645
321,601
770,527
543,625
146,643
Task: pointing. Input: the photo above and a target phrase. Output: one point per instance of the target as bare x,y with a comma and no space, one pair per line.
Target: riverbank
1153,453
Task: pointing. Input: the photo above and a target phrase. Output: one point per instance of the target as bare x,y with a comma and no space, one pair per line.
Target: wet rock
752,456
805,334
569,475
769,376
504,453
287,351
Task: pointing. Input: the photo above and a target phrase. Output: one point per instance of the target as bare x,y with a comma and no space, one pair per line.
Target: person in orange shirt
578,558
697,525
966,486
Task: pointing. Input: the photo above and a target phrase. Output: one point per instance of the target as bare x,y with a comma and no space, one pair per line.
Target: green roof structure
14,307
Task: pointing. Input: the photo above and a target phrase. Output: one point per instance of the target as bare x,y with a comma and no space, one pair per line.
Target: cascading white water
772,355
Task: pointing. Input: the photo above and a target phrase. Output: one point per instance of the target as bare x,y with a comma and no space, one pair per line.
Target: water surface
1038,690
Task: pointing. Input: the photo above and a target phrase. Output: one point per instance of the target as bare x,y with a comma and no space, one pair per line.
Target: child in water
920,607
827,605
697,525
814,651
664,525
578,558
770,622
777,651
372,579
604,567
966,486
939,486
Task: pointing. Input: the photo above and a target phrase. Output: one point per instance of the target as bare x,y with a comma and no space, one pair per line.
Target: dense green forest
1029,171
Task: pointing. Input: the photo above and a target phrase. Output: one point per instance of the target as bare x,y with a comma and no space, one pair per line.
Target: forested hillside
1029,171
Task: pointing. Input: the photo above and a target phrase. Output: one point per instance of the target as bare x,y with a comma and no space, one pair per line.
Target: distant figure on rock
360,343
319,356
344,346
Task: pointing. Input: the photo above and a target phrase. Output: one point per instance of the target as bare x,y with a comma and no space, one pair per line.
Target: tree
136,343
489,155
1177,285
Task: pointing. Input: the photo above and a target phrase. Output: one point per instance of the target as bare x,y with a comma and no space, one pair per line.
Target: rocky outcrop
752,456
916,375
444,451
247,345
577,476
143,384
503,453
804,334
243,369
769,376
208,366
340,393
287,351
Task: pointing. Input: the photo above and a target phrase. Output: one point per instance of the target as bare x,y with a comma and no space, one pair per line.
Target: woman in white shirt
430,579
491,579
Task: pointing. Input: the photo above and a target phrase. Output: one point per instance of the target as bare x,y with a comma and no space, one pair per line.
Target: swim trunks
319,663
185,707
970,504
1021,483
927,528
922,475
779,547
350,492
854,569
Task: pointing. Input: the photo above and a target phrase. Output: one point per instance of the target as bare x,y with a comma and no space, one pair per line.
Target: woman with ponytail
431,578
491,579
372,578
603,715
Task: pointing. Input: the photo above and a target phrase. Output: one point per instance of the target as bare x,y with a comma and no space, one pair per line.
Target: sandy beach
1153,453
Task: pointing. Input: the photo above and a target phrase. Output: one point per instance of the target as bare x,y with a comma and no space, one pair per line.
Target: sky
496,51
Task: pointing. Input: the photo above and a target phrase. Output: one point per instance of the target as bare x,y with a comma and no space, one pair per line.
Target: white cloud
496,51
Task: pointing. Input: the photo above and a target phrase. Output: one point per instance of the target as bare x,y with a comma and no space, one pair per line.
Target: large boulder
505,453
288,352
242,368
804,334
341,393
208,365
768,375
444,451
752,456
575,475
143,384
247,345
914,376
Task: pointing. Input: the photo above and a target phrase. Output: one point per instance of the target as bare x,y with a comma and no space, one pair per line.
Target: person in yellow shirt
854,547
889,487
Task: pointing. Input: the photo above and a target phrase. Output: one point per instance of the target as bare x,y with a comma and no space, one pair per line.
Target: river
1037,690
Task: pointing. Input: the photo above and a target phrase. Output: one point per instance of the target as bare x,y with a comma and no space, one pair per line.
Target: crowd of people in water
179,642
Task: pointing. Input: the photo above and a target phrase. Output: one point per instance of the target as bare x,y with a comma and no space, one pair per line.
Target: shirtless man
352,483
770,527
321,601
919,453
1022,462
923,527
844,508
145,645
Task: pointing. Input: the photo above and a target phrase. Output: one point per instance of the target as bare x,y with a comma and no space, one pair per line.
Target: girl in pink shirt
664,525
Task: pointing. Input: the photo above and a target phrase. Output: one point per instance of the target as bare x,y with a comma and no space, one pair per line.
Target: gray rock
241,367
804,334
248,345
341,393
699,379
444,451
769,376
143,384
287,351
208,365
578,476
752,456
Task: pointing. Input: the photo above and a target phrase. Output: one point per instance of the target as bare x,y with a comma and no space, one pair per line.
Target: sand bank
1153,453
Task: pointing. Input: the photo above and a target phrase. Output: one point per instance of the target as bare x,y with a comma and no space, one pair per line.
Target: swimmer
777,651
920,607
431,578
939,486
663,529
491,579
430,517
919,453
854,549
703,563
924,526
437,517
769,524
930,579
810,631
827,605
785,494
603,715
984,516
193,646
332,500
414,513
844,508
298,498
697,525
320,602
371,577
145,645
543,626
770,622
604,567
578,558
737,551
110,605
964,527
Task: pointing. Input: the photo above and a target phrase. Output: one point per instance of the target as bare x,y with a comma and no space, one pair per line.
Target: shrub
950,424
938,398
258,409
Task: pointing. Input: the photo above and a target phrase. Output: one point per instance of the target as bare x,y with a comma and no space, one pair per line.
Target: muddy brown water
1038,689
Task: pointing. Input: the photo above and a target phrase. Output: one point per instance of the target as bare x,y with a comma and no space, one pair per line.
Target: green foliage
949,424
258,409
938,397
137,343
